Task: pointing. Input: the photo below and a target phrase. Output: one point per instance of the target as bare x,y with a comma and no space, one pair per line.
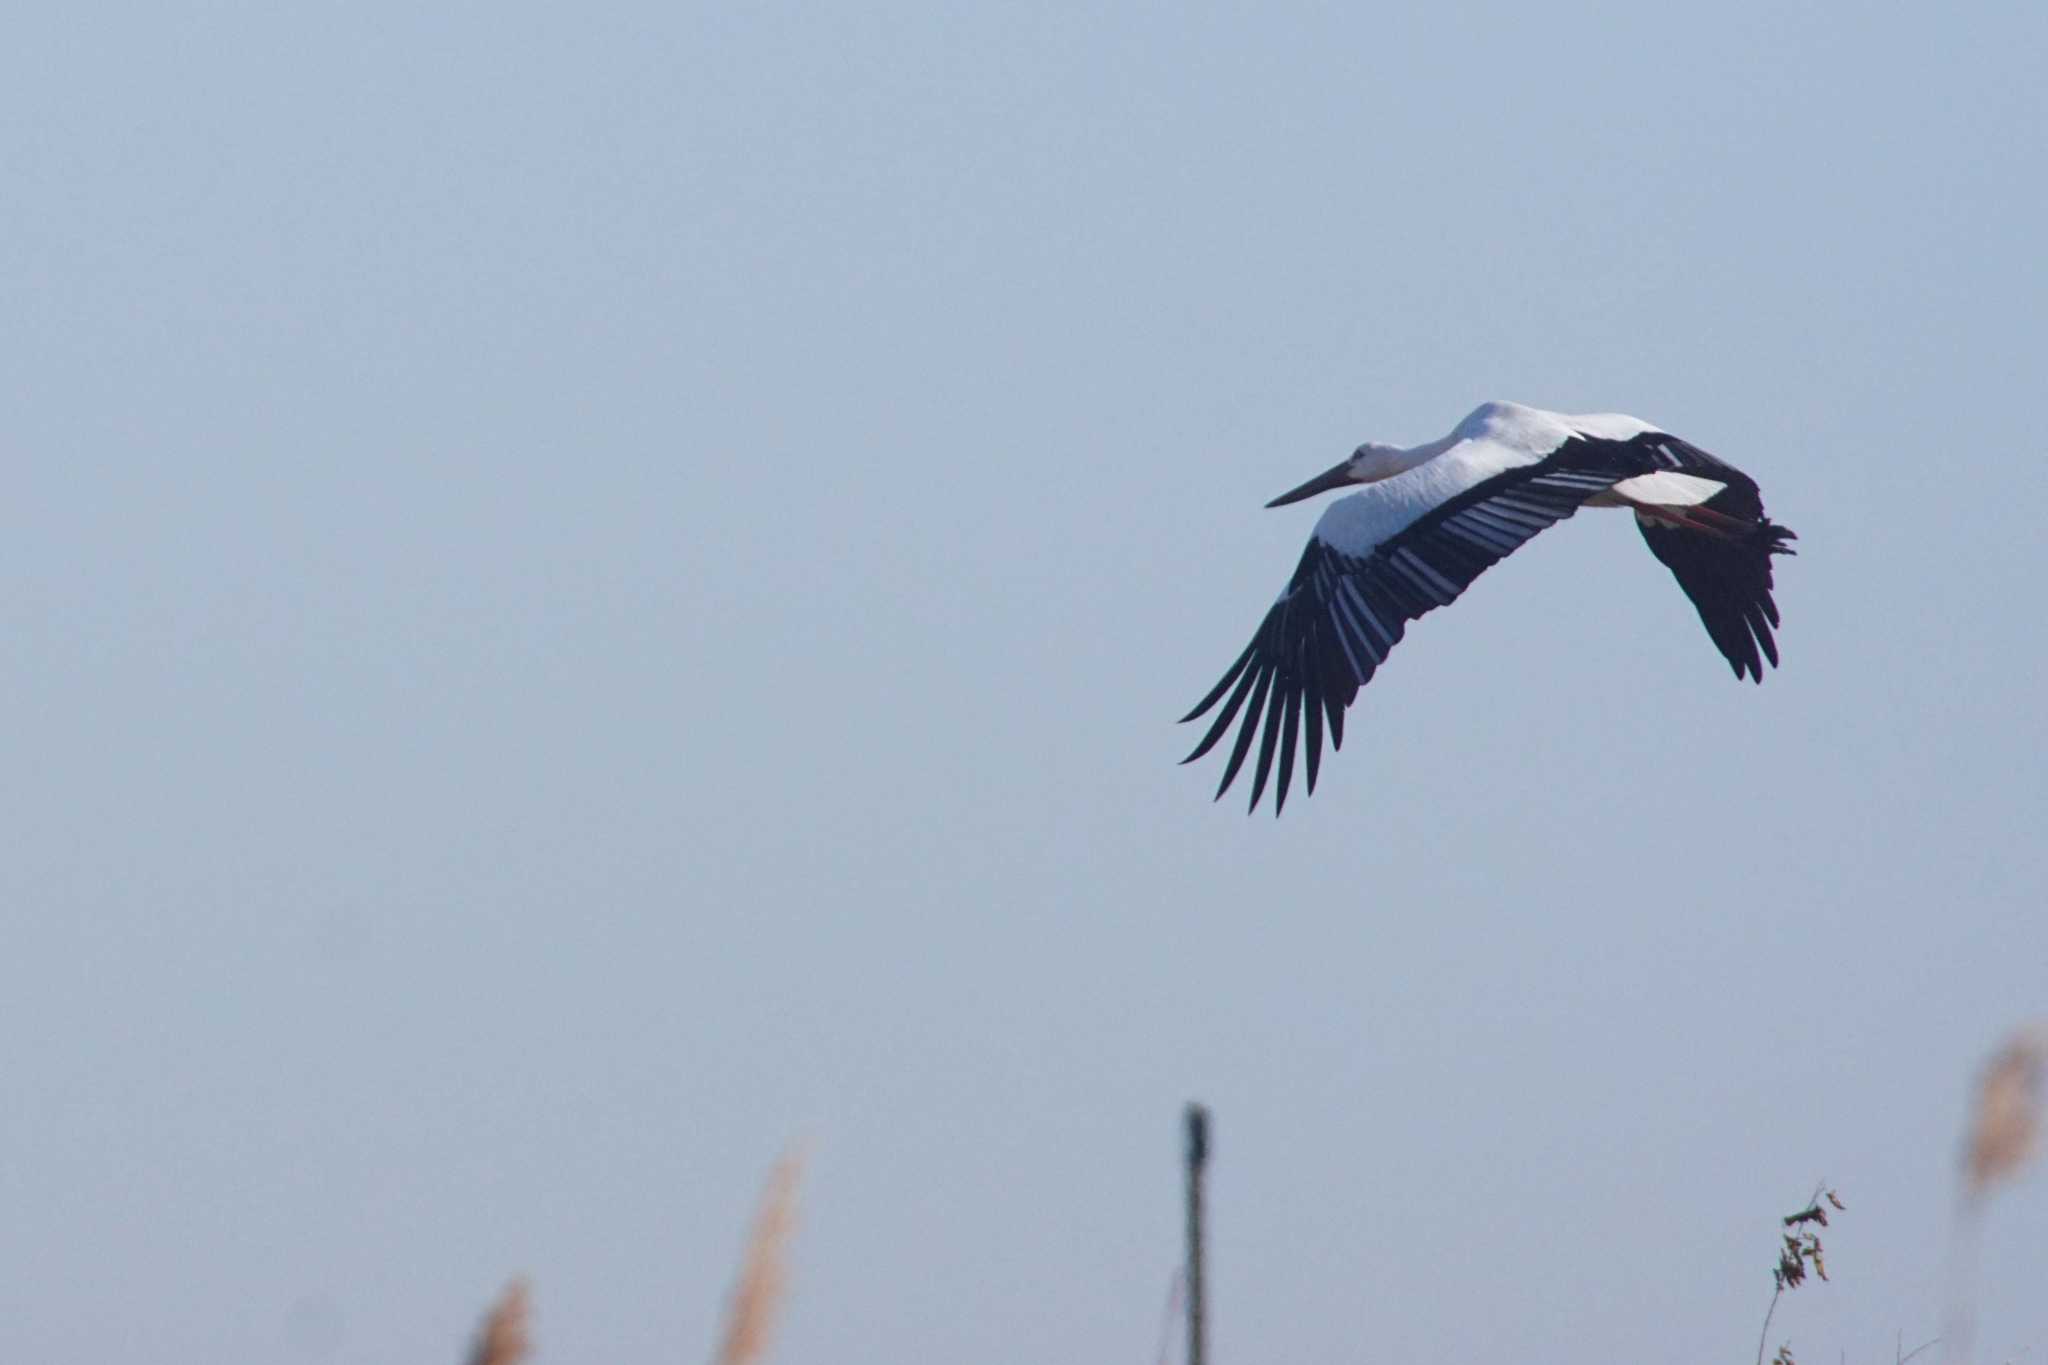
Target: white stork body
1436,516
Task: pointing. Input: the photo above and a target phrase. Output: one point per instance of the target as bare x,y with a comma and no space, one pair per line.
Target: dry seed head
502,1340
750,1319
2007,1121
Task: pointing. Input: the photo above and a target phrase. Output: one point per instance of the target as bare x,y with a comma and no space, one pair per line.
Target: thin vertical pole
1198,1158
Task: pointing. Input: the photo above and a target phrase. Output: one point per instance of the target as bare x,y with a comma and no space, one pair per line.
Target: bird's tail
1763,532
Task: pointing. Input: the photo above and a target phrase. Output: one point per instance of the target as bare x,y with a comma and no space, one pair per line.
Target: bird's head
1367,464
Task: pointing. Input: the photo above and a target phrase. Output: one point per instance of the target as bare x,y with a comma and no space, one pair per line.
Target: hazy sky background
592,592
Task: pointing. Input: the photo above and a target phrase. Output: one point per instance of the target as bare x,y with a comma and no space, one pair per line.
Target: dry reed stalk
1176,1287
502,1339
757,1296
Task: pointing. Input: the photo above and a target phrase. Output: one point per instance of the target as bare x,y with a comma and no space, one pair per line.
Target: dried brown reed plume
2006,1124
1800,1248
502,1339
757,1297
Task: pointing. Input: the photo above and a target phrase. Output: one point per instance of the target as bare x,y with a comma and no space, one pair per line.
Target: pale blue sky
592,592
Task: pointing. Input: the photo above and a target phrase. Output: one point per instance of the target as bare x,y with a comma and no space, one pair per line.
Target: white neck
1375,462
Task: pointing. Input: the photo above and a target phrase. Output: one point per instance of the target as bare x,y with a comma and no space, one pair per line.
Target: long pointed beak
1335,477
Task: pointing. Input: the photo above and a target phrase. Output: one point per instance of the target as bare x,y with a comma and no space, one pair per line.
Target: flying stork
1436,516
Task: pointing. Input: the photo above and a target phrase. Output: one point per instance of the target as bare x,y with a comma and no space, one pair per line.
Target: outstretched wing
1379,559
1720,552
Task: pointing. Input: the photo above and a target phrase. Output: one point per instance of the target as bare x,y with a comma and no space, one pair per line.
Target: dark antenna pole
1198,1158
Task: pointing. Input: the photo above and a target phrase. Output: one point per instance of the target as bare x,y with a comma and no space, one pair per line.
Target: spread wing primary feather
1352,597
1720,552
